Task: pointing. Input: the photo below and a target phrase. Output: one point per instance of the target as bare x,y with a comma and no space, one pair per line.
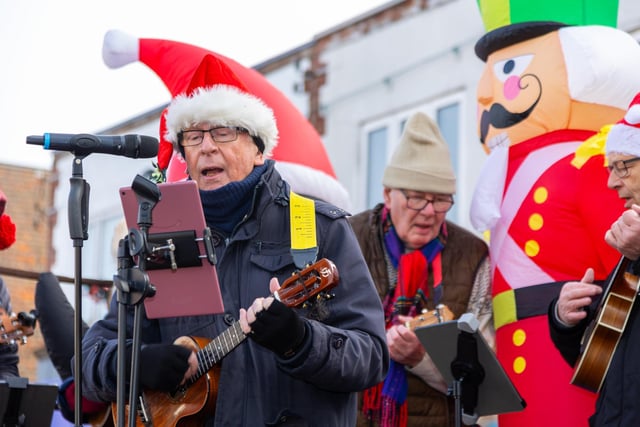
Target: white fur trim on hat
624,136
222,105
623,139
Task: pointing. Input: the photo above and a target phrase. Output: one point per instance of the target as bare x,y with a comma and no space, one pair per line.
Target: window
448,119
376,161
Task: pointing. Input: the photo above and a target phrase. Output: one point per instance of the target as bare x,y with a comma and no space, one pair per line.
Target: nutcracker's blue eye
508,66
511,67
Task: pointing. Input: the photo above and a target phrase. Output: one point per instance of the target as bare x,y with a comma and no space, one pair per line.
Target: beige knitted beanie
421,162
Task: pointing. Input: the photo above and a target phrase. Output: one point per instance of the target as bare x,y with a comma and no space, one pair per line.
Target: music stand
496,394
26,405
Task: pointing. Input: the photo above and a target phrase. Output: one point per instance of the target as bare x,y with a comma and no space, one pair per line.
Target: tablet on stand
184,272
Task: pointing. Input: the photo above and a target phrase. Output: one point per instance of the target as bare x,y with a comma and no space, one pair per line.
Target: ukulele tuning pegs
28,319
5,339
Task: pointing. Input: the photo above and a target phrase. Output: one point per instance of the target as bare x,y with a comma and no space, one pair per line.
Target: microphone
134,146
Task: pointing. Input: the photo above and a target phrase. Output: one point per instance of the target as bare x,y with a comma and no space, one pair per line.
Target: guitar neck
312,282
218,348
618,272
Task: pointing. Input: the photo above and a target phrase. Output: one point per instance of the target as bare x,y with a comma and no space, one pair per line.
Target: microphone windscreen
140,146
148,146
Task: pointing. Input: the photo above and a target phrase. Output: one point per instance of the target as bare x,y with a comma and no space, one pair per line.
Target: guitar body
604,334
102,419
186,408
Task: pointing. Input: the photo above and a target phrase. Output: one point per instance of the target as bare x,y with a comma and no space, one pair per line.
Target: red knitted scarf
386,402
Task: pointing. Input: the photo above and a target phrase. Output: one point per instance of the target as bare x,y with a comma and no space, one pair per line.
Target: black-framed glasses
621,167
441,204
191,137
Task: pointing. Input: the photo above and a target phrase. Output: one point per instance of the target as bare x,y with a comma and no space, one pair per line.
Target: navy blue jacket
342,354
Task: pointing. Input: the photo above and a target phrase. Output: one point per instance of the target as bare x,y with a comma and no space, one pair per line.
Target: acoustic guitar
15,328
601,338
195,401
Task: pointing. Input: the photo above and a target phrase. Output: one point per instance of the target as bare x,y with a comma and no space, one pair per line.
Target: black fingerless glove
279,329
162,366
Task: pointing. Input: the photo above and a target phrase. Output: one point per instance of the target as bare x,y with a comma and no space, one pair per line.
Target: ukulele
440,314
195,401
15,328
601,338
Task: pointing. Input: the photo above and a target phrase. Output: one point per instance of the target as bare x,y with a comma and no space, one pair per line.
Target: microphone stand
78,206
132,284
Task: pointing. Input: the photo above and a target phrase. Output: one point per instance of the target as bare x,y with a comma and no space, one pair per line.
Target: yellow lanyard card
302,213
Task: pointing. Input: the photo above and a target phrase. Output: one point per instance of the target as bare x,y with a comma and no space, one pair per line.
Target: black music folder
26,405
496,393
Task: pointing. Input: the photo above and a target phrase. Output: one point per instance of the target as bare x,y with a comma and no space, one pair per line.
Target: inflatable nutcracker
555,73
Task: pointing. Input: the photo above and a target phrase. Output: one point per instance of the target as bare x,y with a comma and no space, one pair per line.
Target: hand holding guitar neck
279,329
404,345
574,297
273,325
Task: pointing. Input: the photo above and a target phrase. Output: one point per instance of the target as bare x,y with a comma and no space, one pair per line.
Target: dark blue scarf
225,207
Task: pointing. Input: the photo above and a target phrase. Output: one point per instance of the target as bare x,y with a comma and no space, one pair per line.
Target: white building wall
399,67
290,81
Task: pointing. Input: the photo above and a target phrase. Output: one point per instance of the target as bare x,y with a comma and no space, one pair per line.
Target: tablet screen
186,281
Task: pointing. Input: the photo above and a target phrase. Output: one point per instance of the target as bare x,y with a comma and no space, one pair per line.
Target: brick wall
30,199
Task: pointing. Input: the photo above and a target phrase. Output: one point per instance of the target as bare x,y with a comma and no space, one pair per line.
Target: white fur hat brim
623,139
624,136
222,105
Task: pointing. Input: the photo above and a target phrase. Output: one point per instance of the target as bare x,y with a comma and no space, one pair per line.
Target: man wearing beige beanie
419,260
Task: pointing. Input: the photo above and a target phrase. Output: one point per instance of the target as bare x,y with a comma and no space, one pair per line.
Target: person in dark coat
8,351
299,366
576,307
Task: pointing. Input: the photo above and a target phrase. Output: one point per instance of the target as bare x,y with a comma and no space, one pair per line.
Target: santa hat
195,74
624,136
227,103
7,227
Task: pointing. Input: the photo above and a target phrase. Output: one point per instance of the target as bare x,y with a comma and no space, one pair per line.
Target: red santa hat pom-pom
7,232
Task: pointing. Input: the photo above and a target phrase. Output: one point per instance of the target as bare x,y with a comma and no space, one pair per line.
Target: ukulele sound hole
179,394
